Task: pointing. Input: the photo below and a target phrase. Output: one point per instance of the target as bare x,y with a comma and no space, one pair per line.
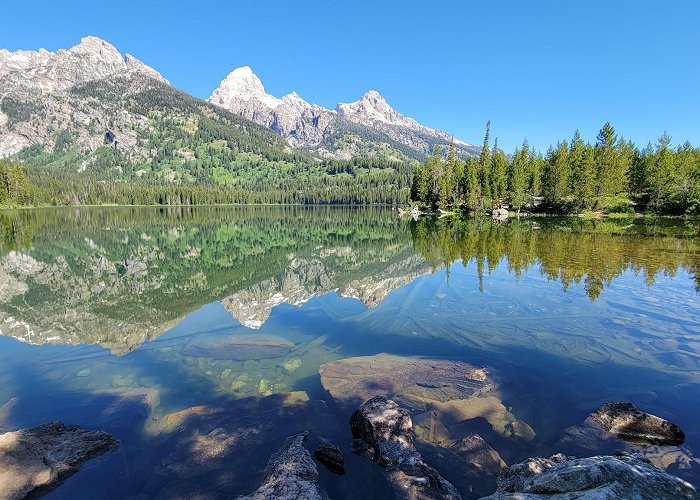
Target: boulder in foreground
624,476
384,432
330,456
39,457
290,474
628,422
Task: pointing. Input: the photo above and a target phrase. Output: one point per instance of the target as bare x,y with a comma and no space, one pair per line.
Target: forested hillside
185,151
612,175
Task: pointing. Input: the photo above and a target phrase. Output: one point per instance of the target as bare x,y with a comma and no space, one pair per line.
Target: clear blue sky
536,69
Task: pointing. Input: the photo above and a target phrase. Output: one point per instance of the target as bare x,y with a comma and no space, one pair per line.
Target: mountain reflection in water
122,318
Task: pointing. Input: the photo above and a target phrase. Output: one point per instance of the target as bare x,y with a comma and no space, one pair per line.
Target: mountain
93,126
349,129
38,99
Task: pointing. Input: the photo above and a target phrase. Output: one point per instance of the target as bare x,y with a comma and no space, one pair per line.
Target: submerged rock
239,347
39,457
383,432
330,456
291,365
628,422
411,381
623,476
290,474
445,397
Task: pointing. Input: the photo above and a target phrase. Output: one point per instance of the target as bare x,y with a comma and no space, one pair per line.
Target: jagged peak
373,95
242,83
96,45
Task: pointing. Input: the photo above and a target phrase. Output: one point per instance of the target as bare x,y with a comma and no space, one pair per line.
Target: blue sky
537,69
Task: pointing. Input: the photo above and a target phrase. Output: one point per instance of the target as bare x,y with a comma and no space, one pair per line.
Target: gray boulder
40,457
628,422
290,474
383,432
624,476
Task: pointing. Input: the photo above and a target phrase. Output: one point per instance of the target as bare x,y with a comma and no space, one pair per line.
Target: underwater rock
474,450
41,456
410,381
239,347
623,476
291,365
383,432
290,474
628,422
330,456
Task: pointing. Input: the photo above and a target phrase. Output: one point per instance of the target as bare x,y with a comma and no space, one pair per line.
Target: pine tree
607,162
662,174
484,169
499,175
557,174
472,188
518,177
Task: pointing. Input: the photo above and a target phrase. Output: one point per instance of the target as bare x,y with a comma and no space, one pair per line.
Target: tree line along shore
610,176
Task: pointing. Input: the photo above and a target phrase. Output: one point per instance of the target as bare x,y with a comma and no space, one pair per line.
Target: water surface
115,319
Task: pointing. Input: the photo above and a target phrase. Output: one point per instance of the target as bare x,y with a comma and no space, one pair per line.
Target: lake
196,335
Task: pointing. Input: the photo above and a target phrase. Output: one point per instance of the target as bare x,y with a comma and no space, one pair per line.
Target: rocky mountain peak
91,59
372,107
242,85
96,47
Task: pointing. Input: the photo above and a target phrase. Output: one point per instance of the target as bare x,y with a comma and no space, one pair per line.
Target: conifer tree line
15,189
610,175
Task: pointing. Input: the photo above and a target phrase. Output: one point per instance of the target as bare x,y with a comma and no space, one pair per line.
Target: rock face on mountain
330,132
91,59
299,122
37,99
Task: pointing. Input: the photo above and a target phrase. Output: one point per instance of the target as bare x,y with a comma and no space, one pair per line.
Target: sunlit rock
383,432
41,456
291,474
622,476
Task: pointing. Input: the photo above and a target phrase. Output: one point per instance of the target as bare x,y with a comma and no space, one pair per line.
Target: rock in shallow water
239,347
407,380
290,474
384,432
330,456
628,422
623,476
41,456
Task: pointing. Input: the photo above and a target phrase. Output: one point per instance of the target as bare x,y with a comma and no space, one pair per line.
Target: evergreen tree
499,175
607,162
484,168
518,177
557,174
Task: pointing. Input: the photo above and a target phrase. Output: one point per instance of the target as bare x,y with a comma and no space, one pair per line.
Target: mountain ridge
309,126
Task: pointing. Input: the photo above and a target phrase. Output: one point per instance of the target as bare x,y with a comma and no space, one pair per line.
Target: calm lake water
196,335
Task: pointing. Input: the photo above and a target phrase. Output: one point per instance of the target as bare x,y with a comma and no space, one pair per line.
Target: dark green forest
612,175
231,164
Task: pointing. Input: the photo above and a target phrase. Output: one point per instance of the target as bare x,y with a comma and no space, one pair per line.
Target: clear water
115,318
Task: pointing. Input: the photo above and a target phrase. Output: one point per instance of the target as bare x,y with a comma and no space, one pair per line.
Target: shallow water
117,319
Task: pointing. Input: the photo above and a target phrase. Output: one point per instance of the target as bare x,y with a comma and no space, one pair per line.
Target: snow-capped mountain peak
242,85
